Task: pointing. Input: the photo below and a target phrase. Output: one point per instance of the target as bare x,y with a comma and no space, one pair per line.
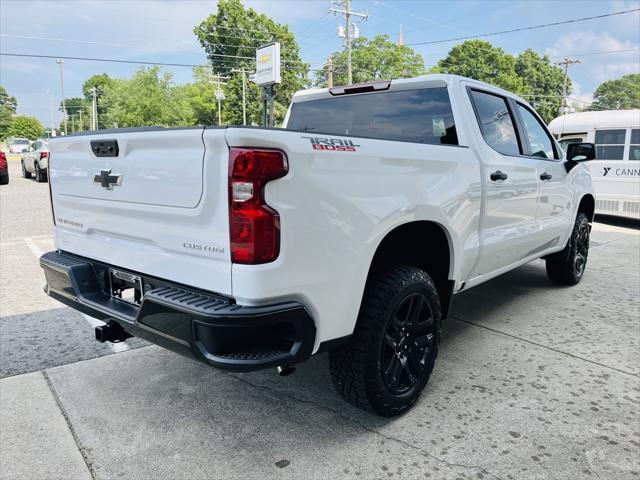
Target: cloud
579,98
624,57
586,41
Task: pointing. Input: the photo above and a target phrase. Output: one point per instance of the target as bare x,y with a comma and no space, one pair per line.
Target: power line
140,62
424,19
117,45
521,29
596,53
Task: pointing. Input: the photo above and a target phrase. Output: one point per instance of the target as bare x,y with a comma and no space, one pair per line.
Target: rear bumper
209,327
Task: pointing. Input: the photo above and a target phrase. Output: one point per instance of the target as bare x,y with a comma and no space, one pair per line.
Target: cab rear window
422,116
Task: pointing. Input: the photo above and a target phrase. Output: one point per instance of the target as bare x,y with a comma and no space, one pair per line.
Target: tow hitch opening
111,332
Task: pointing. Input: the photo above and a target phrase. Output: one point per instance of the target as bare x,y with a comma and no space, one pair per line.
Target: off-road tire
357,368
568,266
41,175
25,174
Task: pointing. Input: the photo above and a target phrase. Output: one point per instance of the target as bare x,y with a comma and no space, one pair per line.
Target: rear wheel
25,174
41,175
567,267
389,359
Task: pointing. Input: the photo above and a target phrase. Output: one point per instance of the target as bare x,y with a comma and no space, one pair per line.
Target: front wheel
391,354
567,267
25,174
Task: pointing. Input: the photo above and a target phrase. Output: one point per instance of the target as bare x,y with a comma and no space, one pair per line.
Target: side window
634,148
610,144
495,122
540,144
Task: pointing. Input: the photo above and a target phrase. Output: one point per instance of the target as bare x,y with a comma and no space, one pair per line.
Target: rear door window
422,116
496,122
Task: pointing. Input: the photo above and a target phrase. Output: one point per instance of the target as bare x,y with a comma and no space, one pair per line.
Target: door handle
546,176
495,176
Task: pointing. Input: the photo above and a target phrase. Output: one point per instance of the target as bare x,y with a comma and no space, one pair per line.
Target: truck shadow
618,221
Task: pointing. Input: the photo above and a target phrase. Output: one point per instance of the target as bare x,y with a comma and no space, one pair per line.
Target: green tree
543,83
101,81
25,127
620,94
230,38
201,96
375,59
480,60
8,106
75,106
148,98
530,75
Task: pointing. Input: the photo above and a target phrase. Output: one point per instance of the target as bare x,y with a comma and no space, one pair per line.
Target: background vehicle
35,160
18,145
616,170
4,169
349,230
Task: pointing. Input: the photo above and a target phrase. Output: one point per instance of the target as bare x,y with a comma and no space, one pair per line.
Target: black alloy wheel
408,341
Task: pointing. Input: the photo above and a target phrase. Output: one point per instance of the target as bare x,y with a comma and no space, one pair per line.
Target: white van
616,170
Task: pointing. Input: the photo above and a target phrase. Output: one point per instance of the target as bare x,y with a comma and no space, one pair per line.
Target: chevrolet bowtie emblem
106,180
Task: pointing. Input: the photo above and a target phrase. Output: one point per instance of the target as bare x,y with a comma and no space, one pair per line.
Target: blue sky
162,31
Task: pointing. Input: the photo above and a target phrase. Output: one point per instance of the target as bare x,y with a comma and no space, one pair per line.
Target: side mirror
581,152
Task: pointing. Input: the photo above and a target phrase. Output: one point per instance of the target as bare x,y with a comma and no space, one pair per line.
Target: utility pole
50,93
330,72
348,13
94,108
80,113
244,92
60,62
244,98
566,62
73,123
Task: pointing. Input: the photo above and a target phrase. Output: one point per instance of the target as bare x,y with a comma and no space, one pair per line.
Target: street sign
268,64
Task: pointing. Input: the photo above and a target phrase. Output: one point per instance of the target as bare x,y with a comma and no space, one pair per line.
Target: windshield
422,116
21,142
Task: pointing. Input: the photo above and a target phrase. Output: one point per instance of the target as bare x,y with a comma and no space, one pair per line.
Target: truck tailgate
158,207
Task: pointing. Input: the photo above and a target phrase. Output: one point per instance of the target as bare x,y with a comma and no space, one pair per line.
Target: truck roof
423,81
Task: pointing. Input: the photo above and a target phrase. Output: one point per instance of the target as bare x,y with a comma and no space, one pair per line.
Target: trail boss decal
332,144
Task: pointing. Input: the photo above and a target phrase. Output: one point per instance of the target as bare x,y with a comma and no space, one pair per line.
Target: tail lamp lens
44,155
254,226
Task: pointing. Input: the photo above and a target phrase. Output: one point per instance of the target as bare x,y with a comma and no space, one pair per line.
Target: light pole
50,93
60,62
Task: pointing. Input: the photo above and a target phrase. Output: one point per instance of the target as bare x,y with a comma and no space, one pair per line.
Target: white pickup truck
347,231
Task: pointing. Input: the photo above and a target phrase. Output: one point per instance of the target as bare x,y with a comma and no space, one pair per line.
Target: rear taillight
44,155
254,226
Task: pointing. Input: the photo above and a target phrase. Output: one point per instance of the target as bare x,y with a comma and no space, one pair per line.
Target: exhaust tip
284,371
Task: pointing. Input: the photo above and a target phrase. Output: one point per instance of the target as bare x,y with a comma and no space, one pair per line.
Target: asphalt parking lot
533,381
